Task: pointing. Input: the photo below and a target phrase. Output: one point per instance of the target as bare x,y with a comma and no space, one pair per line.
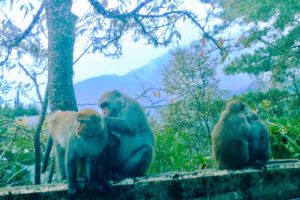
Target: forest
268,46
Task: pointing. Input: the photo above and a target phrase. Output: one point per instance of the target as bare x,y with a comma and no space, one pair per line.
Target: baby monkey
78,138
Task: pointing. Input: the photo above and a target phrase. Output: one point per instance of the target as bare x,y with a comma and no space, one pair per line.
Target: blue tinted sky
135,54
90,65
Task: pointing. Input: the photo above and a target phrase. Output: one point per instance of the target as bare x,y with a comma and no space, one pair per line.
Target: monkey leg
138,163
71,165
91,167
47,154
81,171
60,161
95,179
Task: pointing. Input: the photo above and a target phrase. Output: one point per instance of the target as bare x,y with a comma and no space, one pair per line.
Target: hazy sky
134,54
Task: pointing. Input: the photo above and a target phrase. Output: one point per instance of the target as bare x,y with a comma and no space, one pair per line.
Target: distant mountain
149,75
132,83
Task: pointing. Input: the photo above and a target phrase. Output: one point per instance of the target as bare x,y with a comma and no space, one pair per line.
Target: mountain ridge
149,75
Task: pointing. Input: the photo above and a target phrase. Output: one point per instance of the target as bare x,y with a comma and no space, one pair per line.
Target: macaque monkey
78,137
230,137
259,145
259,142
126,119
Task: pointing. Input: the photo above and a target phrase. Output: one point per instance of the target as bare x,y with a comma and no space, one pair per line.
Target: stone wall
276,181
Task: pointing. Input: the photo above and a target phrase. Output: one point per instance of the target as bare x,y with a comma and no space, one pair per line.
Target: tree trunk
52,169
37,141
61,38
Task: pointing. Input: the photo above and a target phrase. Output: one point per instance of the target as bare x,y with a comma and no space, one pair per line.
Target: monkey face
88,124
82,129
111,103
105,111
111,109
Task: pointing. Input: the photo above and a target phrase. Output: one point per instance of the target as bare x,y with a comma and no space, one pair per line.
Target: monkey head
235,107
111,103
89,123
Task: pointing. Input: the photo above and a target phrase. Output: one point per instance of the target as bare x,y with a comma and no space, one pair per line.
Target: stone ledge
277,181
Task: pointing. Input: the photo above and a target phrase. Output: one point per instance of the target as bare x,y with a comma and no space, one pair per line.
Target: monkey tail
47,154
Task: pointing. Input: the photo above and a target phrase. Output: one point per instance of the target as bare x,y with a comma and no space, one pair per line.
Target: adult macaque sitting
125,118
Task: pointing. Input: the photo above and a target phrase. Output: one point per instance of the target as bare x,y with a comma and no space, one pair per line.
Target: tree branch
189,16
33,78
82,54
37,140
124,17
115,15
6,58
17,40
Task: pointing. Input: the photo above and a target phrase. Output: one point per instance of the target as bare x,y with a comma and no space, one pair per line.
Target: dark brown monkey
259,142
126,119
230,137
78,136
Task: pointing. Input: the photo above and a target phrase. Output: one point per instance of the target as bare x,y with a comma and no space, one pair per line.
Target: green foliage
285,137
16,146
184,143
195,102
273,103
282,115
16,152
19,110
175,152
273,28
256,10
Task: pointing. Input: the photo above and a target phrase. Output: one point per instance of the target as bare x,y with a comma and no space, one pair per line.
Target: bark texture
61,38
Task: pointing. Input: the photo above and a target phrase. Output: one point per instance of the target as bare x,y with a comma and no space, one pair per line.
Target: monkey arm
71,165
118,125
